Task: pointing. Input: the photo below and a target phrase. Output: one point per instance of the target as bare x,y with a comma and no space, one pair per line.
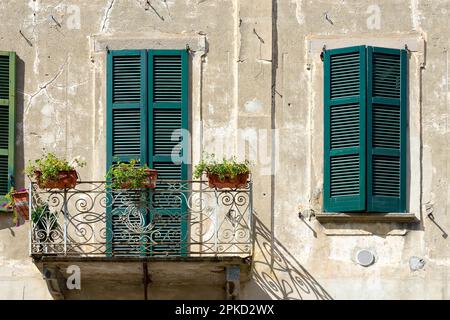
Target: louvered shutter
126,140
386,128
168,115
344,129
7,120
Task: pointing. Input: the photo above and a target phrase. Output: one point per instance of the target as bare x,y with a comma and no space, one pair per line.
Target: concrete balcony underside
158,270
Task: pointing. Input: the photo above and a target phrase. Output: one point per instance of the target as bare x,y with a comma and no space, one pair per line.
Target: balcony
179,231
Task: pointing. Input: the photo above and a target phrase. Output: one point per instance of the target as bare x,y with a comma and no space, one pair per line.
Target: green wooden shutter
126,136
168,115
386,127
7,120
344,129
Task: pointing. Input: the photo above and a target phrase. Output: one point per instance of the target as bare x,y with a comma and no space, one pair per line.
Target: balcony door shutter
386,128
344,129
7,120
147,109
168,116
126,140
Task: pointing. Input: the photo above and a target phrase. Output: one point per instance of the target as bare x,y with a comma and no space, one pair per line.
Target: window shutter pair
365,129
148,108
147,98
7,120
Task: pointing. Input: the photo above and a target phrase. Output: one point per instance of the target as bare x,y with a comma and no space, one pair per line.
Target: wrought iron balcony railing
178,218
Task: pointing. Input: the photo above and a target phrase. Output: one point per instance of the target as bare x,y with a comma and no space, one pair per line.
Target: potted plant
52,172
227,173
17,203
131,176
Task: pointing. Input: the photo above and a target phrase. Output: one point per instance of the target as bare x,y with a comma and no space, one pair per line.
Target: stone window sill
366,217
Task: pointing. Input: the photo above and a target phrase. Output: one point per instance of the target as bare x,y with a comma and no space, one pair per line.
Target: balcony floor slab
160,270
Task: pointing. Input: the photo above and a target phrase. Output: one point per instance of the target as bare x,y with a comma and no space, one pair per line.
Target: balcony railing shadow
279,274
178,218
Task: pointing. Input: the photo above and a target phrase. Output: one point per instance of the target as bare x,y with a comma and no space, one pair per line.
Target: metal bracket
233,283
11,181
147,279
324,48
407,49
55,282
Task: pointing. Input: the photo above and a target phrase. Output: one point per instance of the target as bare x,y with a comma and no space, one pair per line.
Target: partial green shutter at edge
387,173
346,173
10,103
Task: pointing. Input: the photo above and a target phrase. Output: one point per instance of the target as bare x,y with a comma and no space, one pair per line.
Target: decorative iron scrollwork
187,217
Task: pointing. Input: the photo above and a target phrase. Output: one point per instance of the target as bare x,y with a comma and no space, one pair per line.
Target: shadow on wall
278,273
19,151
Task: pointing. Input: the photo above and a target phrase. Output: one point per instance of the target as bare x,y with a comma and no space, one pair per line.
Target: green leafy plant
50,166
9,205
42,217
127,175
226,168
38,212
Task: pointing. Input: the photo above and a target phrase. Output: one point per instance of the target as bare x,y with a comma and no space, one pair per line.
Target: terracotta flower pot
150,182
65,180
152,177
237,182
20,199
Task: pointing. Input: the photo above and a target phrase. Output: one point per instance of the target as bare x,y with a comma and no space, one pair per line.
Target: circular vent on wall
365,257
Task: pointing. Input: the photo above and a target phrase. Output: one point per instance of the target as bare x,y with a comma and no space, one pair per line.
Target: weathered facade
256,87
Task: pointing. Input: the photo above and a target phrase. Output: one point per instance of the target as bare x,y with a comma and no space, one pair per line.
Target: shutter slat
167,78
126,132
347,184
126,79
3,175
165,124
345,74
386,176
386,75
4,127
168,241
344,126
4,76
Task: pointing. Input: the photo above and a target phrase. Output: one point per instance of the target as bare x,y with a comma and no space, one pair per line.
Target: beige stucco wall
241,50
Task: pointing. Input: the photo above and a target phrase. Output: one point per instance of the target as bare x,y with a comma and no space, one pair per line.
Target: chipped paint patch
428,171
298,11
253,106
210,108
415,14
